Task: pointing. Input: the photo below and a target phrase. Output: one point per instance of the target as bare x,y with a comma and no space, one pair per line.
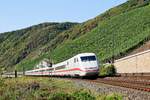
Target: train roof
39,69
79,55
85,54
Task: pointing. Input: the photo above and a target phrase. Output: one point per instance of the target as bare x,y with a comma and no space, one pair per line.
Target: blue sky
17,14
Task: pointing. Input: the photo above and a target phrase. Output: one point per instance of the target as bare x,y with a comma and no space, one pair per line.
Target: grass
112,96
26,88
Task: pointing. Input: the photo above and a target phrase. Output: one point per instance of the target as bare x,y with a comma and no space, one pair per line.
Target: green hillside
115,32
17,45
118,34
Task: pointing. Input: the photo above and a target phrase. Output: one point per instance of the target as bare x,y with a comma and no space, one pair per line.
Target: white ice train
81,65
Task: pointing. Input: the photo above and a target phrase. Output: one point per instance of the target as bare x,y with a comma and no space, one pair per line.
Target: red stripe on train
73,69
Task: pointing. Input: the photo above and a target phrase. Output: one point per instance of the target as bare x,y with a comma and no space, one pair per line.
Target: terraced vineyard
114,33
119,34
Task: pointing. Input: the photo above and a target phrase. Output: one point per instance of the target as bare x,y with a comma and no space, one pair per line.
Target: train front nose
89,64
92,69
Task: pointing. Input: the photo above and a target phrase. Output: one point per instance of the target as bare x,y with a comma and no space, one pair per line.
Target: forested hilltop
30,42
115,32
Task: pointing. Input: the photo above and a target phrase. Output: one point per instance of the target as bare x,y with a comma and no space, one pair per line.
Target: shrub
62,96
1,82
78,95
113,97
83,95
1,70
107,70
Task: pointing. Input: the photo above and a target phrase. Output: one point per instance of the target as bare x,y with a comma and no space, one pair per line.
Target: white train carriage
84,64
40,72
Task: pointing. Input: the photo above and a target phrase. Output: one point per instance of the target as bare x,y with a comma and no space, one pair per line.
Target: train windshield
88,58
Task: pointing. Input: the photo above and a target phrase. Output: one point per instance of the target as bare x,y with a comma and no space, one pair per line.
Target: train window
77,59
60,67
74,60
88,58
50,69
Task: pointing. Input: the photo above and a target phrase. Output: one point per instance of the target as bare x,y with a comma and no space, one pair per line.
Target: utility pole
15,73
113,47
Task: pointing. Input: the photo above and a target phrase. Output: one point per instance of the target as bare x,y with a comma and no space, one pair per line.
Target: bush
107,70
62,96
113,97
78,95
1,70
83,95
1,82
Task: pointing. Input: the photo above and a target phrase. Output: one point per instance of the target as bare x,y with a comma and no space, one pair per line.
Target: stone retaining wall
137,63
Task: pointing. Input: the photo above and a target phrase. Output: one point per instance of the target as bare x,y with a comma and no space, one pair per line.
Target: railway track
127,84
138,84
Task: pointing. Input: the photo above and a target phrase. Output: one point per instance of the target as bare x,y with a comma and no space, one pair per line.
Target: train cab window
88,58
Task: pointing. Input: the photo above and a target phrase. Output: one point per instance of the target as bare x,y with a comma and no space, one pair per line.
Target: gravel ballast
128,94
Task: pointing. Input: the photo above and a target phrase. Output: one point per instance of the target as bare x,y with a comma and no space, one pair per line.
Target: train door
76,66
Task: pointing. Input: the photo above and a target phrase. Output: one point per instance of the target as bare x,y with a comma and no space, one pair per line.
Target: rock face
144,47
